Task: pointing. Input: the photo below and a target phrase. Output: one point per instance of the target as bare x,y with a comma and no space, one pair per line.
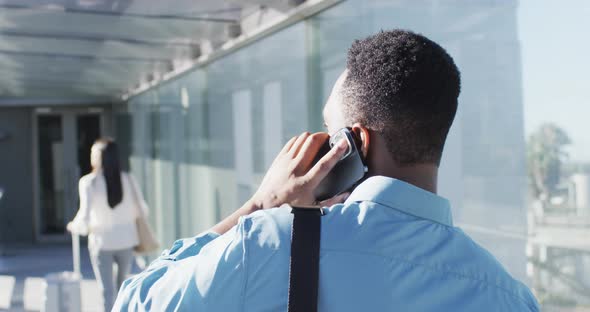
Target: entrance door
63,138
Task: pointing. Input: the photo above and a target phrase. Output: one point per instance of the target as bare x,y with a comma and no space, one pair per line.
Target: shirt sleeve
203,273
81,223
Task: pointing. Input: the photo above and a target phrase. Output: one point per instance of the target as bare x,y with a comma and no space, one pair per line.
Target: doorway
62,138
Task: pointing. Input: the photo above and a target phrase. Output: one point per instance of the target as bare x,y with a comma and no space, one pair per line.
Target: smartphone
349,170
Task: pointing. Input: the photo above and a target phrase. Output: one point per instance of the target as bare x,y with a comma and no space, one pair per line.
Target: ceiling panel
148,7
56,21
101,48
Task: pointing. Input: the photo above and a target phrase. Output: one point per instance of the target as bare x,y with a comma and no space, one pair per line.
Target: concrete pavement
22,271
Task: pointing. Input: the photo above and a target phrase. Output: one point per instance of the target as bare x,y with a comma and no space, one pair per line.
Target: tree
546,154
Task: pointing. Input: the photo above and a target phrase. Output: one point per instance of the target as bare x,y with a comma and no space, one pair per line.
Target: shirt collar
404,197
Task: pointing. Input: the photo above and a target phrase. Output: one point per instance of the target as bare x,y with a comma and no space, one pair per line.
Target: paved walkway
22,271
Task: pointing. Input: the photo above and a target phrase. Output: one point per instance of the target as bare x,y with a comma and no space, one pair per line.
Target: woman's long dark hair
111,171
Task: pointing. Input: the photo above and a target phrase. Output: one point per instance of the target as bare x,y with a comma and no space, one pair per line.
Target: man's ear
363,135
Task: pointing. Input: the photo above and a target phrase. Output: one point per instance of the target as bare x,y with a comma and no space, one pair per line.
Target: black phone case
345,174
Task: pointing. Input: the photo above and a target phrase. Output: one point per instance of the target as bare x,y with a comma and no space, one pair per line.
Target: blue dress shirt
390,247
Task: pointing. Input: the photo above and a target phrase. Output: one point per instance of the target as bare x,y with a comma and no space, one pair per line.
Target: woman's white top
108,228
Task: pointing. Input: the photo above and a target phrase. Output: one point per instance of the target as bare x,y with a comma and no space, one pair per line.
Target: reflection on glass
558,150
559,219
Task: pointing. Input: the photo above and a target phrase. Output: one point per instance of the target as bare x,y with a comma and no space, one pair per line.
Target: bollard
76,253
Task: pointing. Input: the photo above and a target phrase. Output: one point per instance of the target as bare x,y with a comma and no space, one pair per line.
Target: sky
555,47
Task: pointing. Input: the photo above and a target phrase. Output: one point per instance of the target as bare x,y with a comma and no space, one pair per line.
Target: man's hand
291,178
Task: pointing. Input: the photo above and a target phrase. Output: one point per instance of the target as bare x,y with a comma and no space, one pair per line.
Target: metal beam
124,77
34,101
39,91
50,92
118,14
92,38
25,81
60,65
84,57
45,70
57,79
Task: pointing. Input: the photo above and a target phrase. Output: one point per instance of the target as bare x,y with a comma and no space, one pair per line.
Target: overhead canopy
100,49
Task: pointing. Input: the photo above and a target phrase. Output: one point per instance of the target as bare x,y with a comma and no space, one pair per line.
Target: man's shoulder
479,264
269,226
278,221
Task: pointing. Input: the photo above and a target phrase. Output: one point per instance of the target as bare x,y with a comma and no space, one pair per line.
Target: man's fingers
287,146
298,143
310,149
319,171
338,199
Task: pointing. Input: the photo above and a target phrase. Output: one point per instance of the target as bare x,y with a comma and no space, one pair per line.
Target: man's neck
379,161
424,176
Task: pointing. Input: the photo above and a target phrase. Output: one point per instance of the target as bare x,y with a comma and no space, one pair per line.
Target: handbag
147,238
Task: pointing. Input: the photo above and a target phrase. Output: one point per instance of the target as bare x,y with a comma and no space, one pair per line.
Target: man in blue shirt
390,246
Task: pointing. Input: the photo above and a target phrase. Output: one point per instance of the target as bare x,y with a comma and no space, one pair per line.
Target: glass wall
201,143
516,165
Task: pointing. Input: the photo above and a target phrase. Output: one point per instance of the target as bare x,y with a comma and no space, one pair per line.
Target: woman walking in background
110,203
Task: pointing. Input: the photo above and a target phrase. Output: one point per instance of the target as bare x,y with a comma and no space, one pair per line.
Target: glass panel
272,125
168,154
51,174
242,120
201,208
260,69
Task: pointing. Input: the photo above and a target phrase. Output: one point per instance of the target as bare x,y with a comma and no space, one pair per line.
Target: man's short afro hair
405,87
